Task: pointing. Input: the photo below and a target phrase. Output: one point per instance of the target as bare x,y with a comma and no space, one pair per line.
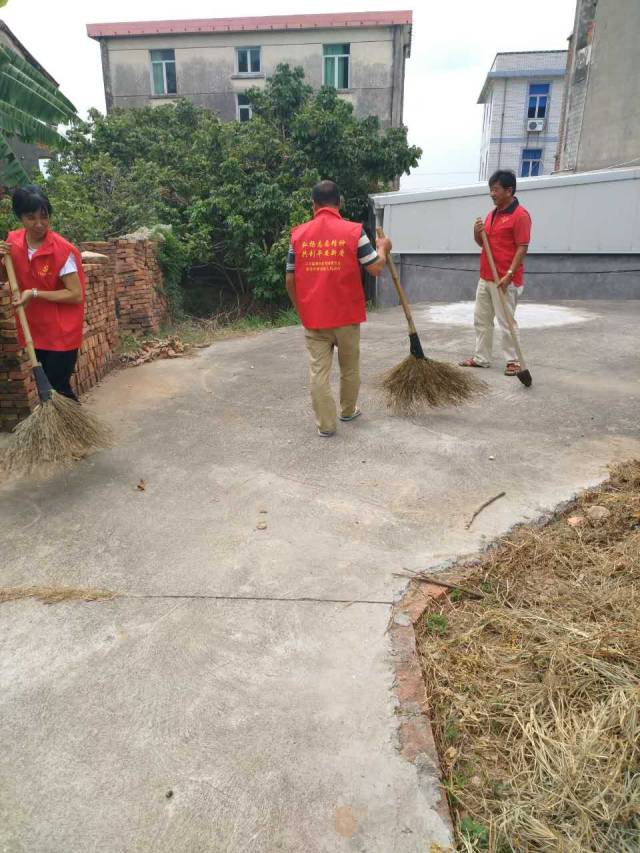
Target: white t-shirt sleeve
70,266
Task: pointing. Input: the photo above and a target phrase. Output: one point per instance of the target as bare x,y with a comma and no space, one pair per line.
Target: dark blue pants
59,367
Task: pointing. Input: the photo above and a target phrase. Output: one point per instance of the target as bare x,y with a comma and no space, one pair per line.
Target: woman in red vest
52,285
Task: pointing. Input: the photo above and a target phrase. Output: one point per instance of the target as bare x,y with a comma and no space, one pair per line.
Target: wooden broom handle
398,287
26,331
503,299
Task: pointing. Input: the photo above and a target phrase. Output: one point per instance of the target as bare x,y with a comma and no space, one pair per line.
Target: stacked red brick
100,339
142,303
17,389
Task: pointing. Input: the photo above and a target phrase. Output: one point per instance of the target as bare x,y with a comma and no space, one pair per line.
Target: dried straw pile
535,690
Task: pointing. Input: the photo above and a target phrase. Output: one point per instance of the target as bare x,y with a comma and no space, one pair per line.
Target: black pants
59,367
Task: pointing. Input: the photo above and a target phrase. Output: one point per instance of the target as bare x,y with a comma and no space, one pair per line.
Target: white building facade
522,98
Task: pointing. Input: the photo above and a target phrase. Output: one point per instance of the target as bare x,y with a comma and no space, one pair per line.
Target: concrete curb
417,743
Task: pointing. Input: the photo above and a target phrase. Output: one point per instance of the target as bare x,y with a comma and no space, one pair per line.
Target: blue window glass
538,99
539,89
531,163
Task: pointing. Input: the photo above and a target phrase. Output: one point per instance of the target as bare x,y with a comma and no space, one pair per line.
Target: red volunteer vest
329,288
53,326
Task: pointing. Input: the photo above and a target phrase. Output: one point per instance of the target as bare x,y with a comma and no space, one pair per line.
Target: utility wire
529,272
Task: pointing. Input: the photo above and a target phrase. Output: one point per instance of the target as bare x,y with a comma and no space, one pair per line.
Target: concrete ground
238,695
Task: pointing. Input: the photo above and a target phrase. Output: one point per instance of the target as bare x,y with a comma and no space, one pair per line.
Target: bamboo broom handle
398,287
26,331
503,299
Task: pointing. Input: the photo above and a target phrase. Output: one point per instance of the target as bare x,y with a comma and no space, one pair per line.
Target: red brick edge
417,743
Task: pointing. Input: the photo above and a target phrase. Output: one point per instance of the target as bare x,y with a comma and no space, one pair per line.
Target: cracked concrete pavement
238,695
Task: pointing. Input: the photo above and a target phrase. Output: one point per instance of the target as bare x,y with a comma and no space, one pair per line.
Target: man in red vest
508,228
325,285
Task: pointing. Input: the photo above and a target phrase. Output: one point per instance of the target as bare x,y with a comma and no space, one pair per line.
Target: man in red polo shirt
325,285
508,228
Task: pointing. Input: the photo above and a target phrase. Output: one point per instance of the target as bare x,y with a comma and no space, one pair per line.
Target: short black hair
506,178
326,194
30,199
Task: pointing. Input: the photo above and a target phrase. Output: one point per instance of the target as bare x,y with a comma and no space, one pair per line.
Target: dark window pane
329,71
336,49
158,78
525,169
542,107
243,101
533,102
255,60
163,55
172,86
243,62
535,168
343,72
539,89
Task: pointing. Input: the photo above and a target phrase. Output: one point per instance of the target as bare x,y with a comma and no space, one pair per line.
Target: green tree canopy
232,191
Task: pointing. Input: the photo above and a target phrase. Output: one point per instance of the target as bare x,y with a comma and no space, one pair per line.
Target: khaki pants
488,306
320,344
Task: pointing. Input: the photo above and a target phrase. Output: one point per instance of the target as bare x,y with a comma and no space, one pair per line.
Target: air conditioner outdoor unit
535,125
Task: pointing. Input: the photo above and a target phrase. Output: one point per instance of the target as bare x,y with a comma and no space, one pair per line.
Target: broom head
525,377
416,383
57,432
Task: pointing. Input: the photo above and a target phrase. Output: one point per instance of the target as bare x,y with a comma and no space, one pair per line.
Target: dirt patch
51,595
533,681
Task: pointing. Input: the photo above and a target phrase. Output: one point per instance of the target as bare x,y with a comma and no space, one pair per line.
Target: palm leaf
11,172
8,56
27,95
16,122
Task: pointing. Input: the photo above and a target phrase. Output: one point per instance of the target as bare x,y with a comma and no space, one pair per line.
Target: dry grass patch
535,688
52,595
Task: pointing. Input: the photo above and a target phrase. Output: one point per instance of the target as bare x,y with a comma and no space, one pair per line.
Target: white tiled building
522,99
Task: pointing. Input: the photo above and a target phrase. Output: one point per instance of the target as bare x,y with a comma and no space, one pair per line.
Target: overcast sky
453,46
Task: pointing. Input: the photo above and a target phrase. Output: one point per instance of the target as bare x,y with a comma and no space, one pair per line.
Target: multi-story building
29,155
600,125
213,62
522,99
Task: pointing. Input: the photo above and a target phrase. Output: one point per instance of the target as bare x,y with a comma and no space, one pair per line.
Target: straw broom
59,429
419,381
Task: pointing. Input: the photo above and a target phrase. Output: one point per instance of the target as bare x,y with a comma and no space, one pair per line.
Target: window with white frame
248,60
531,162
538,100
163,72
244,111
336,59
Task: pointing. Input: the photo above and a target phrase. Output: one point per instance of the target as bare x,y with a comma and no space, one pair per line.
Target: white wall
590,213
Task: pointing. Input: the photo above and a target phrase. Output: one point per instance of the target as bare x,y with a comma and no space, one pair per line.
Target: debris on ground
153,349
54,595
534,688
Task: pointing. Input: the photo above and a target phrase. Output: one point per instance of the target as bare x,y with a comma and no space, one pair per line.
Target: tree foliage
230,190
30,109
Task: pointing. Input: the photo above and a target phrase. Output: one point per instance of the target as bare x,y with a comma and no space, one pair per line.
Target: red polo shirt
506,229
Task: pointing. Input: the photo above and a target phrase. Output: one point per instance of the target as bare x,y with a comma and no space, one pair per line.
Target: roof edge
132,29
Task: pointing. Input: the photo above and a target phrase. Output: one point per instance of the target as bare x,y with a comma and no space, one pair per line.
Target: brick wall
141,303
125,292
